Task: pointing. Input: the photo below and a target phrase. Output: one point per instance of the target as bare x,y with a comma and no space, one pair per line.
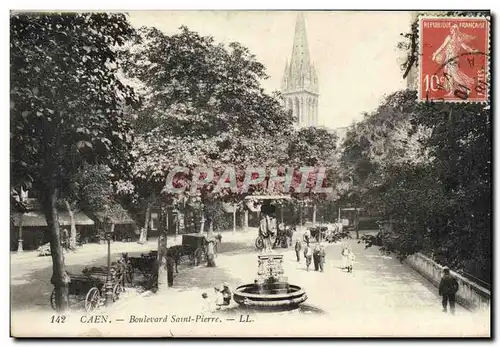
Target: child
226,295
350,259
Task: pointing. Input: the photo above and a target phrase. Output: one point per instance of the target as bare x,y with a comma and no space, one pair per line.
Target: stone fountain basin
244,296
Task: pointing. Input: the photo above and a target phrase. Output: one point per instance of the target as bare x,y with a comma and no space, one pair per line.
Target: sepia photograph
250,173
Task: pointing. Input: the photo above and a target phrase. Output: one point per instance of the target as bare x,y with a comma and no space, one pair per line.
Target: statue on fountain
267,225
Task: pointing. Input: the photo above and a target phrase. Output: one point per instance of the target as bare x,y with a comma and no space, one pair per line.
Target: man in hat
298,248
448,287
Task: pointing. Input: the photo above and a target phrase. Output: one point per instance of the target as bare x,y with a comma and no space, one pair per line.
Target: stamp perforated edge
417,82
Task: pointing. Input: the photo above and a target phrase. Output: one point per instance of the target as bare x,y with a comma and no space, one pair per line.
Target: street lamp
109,229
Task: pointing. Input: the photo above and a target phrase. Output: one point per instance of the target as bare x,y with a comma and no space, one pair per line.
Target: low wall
470,295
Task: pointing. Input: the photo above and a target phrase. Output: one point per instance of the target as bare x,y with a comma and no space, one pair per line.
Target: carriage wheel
117,290
92,299
259,243
53,300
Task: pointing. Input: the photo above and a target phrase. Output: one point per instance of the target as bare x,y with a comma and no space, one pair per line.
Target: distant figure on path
347,258
321,256
448,287
316,257
308,255
298,248
307,236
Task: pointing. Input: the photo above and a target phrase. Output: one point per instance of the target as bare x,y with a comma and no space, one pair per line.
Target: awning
253,208
352,209
37,219
118,217
267,197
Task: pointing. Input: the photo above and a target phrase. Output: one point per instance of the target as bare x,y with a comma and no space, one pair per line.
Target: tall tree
67,108
204,107
316,148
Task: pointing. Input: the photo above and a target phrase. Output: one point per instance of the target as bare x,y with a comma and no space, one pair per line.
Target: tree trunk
245,223
20,238
144,232
234,219
357,224
60,278
300,213
162,251
202,224
314,215
72,237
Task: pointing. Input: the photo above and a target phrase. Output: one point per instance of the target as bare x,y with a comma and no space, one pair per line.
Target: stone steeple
300,80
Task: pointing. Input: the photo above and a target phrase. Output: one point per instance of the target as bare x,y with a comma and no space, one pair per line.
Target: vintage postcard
250,174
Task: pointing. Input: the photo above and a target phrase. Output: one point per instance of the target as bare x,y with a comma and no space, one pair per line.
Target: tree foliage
427,169
67,108
204,107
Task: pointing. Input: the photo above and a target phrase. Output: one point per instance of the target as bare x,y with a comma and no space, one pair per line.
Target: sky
354,53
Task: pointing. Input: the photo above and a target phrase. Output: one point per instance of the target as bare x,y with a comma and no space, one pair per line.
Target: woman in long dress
448,55
345,256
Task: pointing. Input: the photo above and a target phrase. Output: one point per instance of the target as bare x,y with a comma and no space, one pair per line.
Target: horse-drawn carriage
144,264
195,247
329,233
282,237
90,287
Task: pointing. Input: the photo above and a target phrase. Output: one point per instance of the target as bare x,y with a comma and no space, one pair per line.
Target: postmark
454,58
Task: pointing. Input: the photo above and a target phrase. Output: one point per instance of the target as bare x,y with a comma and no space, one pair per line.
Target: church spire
300,51
300,80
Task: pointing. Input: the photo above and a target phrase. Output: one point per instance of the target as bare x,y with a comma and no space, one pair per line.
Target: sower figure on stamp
448,53
267,226
448,287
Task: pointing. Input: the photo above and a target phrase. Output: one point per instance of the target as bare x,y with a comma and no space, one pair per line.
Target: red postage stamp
454,56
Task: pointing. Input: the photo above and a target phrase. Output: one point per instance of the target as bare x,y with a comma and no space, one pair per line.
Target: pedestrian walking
298,248
321,256
308,255
350,259
344,252
316,257
448,287
307,236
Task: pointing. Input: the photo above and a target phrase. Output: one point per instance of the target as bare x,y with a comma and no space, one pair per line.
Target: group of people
317,255
221,298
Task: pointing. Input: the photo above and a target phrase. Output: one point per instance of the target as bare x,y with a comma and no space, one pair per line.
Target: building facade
300,81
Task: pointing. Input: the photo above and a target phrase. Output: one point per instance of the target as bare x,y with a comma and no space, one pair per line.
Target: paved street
382,297
30,274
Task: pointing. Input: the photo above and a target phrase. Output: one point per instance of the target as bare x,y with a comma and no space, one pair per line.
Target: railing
470,295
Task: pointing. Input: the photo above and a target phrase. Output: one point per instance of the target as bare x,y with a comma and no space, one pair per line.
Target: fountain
270,290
